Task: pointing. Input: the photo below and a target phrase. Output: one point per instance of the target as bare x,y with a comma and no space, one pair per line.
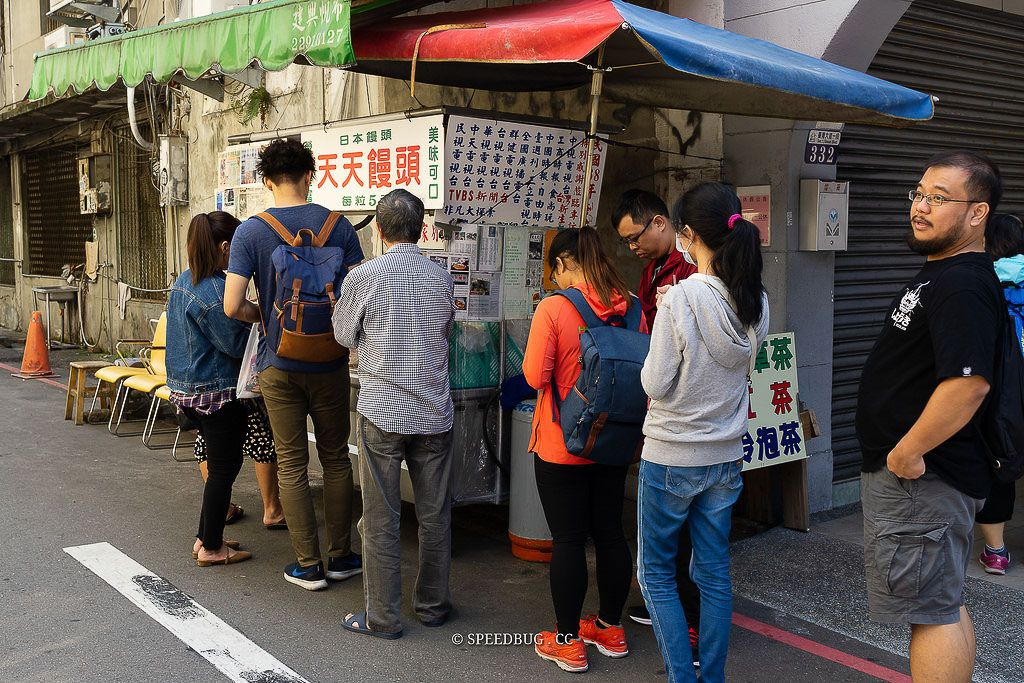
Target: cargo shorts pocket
909,555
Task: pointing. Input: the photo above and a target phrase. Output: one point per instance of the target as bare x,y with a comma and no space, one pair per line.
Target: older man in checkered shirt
398,310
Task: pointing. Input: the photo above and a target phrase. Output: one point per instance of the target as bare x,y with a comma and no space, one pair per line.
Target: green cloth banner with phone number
270,35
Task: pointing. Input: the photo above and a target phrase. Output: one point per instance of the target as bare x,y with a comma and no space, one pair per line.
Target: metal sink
57,292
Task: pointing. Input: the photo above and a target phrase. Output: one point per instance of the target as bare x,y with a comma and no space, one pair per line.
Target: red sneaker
610,641
569,657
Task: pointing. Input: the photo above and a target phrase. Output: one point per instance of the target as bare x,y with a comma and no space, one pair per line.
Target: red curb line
35,379
823,651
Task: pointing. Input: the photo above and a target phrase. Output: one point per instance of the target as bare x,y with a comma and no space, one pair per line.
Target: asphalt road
64,486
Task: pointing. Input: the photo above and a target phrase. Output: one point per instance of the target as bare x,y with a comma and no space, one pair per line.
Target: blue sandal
357,624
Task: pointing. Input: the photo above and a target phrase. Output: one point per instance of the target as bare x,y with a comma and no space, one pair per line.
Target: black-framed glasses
936,199
633,241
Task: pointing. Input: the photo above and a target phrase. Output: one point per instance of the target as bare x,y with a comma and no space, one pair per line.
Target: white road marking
233,654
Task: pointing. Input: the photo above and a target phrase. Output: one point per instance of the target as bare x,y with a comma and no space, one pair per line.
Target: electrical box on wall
95,175
824,215
173,176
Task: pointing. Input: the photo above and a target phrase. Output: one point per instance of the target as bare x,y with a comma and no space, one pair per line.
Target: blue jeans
667,496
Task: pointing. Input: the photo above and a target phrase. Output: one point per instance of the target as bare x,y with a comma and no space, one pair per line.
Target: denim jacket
204,346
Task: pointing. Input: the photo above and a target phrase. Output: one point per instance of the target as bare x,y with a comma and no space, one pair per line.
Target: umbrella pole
595,98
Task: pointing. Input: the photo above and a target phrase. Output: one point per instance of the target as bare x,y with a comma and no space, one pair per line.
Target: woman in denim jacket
204,352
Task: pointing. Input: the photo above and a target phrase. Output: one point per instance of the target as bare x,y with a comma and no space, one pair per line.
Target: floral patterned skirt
259,439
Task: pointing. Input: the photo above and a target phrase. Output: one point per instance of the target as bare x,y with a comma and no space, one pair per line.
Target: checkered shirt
204,404
398,310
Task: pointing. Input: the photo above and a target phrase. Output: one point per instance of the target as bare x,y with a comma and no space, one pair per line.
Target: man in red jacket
643,224
642,221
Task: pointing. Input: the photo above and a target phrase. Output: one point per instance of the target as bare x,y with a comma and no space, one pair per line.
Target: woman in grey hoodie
704,339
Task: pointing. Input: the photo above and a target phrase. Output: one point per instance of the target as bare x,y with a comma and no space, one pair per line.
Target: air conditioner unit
81,14
64,36
105,30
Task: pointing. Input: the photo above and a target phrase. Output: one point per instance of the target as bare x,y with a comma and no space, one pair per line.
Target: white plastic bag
248,380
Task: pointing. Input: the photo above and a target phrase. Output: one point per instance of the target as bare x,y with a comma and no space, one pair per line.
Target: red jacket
553,351
649,282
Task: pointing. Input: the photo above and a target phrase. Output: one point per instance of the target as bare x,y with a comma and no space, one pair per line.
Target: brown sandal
230,544
235,513
231,558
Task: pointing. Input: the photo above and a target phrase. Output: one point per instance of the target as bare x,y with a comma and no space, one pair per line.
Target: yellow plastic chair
144,379
115,375
162,393
155,358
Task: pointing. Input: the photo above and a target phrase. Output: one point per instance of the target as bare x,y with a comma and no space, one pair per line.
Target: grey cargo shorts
917,543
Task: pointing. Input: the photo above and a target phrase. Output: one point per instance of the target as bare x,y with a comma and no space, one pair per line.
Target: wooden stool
78,391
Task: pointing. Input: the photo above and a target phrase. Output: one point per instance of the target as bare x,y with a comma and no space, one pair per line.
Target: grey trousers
428,458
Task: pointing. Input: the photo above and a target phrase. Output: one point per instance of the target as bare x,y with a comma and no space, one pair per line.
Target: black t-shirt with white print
945,323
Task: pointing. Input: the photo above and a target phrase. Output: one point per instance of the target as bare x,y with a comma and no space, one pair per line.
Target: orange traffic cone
36,361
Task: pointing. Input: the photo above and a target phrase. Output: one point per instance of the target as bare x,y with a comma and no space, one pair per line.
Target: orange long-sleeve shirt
553,350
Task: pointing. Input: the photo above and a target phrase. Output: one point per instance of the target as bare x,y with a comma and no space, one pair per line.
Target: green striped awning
270,35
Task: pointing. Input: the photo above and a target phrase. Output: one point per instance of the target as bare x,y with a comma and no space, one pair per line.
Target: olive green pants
324,397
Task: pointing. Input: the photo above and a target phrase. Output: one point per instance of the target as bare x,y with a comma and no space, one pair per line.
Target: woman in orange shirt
579,497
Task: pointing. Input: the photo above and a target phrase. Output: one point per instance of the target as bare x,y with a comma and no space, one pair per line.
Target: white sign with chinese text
508,173
774,433
357,164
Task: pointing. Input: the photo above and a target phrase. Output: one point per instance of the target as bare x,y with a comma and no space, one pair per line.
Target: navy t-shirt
945,323
251,250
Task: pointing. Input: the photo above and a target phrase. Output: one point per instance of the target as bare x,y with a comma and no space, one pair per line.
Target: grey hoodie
696,376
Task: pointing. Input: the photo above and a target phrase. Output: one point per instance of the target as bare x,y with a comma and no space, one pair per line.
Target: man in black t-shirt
925,474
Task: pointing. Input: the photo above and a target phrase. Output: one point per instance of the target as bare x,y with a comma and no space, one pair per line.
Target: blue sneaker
341,568
311,578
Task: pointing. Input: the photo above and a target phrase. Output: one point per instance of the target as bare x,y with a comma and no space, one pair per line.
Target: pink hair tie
732,220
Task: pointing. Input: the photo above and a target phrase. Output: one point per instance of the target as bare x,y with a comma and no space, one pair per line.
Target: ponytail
712,210
205,234
1004,236
739,264
584,247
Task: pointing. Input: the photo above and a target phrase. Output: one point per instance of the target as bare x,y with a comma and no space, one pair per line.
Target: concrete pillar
770,152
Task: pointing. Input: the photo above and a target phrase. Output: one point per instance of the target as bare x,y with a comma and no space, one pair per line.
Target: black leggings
582,500
223,431
999,504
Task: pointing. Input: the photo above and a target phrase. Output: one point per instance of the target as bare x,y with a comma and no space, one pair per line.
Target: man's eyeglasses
936,199
634,241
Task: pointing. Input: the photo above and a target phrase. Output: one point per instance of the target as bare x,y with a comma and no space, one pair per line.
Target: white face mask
686,254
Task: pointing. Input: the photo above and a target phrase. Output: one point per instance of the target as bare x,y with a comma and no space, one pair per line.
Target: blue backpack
602,418
307,281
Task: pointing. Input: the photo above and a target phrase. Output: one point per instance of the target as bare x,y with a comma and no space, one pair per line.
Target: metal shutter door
55,227
972,59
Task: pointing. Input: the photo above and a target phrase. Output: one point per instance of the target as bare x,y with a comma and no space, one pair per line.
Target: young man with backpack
299,253
926,468
1004,242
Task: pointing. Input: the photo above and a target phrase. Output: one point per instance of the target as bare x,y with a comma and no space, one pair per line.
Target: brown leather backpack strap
328,227
275,224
